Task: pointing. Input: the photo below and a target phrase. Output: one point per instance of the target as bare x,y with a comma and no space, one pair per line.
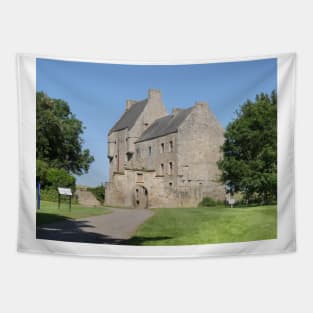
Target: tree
58,135
59,178
249,165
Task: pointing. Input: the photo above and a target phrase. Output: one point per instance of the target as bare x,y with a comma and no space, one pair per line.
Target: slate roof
130,116
164,125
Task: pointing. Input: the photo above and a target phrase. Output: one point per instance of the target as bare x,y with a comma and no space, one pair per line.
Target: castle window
171,184
162,147
162,169
171,146
150,150
139,178
170,168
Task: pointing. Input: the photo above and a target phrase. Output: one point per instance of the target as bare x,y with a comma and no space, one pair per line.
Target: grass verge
188,226
50,213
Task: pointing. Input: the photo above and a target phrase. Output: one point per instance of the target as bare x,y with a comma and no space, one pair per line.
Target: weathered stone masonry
161,160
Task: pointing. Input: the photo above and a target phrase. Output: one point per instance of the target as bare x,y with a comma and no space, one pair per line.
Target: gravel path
113,228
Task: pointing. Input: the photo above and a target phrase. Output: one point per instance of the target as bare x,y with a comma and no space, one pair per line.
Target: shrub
52,178
60,178
41,172
98,192
206,201
49,194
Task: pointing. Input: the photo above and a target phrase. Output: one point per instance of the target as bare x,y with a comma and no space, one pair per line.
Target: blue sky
97,93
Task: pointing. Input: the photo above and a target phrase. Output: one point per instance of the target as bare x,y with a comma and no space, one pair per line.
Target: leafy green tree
56,177
41,172
58,135
249,165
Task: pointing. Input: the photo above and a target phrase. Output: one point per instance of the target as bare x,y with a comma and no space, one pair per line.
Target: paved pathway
112,228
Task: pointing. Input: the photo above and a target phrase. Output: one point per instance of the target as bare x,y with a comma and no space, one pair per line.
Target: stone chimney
175,111
201,105
154,94
129,103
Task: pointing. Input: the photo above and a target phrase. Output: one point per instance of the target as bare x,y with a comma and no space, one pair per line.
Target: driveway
113,228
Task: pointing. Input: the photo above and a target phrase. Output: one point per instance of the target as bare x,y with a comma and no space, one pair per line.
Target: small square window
139,178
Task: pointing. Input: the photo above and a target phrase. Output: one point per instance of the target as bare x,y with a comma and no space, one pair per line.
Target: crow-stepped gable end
162,160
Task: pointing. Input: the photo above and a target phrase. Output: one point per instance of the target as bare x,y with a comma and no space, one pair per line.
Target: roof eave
151,138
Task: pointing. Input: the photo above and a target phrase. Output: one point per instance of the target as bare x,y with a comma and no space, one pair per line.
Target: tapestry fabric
156,159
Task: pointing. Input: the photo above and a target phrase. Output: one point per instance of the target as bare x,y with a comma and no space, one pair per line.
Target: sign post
65,192
38,195
231,201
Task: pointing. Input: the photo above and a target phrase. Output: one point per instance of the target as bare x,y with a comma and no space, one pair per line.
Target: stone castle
162,160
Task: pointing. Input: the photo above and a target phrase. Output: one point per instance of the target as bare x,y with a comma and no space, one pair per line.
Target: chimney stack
129,103
154,94
201,104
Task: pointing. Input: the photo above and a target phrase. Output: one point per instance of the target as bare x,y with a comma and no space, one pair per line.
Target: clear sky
97,93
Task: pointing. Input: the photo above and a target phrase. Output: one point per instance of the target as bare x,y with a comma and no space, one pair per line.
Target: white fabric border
286,239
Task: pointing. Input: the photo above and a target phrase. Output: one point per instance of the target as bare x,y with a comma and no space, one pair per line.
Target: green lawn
49,212
185,226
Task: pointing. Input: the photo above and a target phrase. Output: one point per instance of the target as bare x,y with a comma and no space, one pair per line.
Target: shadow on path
114,228
73,231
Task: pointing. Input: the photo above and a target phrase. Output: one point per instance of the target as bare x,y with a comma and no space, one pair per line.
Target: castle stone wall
174,170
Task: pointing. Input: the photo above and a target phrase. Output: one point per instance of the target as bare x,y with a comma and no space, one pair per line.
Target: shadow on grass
139,240
71,230
46,218
61,228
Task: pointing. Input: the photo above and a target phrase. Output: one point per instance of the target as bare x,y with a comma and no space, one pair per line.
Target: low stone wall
86,198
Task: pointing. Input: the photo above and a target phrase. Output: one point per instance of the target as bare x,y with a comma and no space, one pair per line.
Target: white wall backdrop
155,30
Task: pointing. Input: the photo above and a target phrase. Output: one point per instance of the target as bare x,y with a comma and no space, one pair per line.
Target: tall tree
250,150
59,136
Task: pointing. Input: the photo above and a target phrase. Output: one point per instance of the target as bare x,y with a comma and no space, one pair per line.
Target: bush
52,178
207,202
60,178
98,192
41,172
49,194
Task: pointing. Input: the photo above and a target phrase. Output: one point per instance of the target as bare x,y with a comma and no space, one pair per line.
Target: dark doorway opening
141,197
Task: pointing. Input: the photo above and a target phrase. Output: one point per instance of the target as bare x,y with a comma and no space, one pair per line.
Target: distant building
161,160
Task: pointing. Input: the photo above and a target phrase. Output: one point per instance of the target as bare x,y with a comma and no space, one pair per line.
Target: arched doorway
141,197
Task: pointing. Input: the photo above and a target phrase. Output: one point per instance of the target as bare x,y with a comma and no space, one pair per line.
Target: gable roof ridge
165,125
130,116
